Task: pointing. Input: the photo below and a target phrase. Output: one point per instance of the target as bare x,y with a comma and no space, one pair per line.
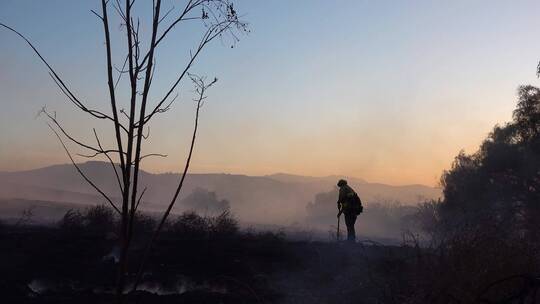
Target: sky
388,91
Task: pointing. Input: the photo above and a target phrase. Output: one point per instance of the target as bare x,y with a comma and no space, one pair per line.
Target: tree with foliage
499,185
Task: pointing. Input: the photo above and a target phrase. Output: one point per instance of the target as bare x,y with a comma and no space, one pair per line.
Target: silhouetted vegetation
500,183
198,257
482,240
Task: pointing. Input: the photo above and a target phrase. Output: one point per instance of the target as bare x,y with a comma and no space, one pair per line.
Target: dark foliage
500,184
483,236
196,259
143,225
191,225
98,220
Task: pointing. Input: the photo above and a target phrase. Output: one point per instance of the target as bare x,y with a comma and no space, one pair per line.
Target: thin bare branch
140,198
212,32
120,75
165,15
81,172
160,110
147,134
94,12
201,87
152,154
110,161
125,114
104,152
68,136
58,79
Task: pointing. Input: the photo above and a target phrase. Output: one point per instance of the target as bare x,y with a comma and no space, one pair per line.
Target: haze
389,91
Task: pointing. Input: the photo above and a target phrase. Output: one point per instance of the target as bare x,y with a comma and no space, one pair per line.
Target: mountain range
278,198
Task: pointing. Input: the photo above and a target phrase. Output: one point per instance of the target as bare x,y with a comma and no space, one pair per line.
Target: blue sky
389,91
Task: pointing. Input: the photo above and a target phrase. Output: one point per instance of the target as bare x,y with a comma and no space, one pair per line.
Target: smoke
301,205
383,219
203,201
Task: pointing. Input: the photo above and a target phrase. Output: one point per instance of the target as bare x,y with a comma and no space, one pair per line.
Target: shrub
99,219
190,225
72,221
143,224
470,260
223,225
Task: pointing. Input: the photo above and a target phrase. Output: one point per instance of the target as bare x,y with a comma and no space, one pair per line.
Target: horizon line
229,173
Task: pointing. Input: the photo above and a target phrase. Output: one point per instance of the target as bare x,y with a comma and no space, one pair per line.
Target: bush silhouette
143,225
223,225
97,220
191,225
72,221
100,220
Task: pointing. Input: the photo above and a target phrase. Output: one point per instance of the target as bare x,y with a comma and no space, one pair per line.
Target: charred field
194,261
211,260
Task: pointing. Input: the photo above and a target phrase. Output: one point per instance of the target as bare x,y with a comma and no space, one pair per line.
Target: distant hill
279,198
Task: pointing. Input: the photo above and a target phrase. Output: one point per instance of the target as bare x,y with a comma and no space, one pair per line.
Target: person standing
350,205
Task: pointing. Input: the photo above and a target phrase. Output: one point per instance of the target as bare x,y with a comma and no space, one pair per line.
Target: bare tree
220,21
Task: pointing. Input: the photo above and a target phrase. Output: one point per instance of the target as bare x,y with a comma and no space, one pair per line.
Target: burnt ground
52,265
209,260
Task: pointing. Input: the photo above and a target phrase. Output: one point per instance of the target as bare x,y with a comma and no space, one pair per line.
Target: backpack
357,204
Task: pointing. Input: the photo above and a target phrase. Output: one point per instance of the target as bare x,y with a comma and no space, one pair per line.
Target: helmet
341,183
